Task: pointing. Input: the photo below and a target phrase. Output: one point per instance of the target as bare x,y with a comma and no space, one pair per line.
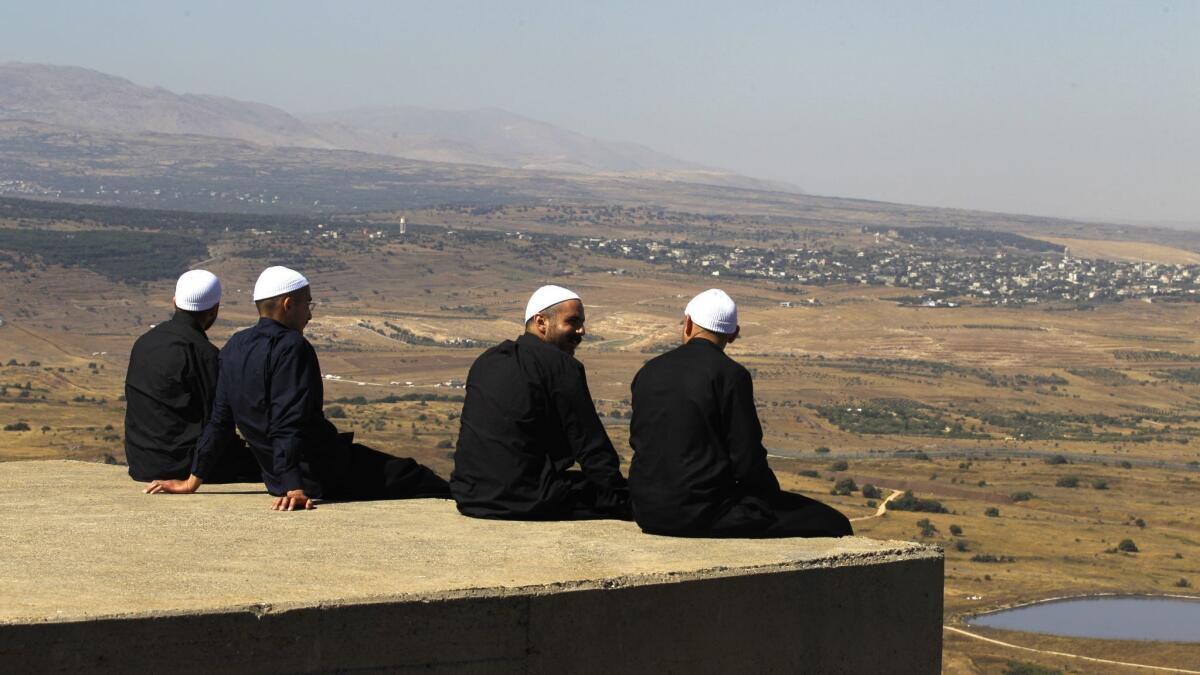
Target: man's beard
568,342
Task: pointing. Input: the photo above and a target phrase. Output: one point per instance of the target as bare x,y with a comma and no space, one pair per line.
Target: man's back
169,391
527,417
696,438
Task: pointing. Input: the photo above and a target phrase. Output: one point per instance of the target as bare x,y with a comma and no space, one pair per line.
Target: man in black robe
528,418
169,390
271,388
699,468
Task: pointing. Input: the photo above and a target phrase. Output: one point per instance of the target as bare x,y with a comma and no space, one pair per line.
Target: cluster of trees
402,334
117,254
910,502
990,558
893,417
938,235
1140,355
31,212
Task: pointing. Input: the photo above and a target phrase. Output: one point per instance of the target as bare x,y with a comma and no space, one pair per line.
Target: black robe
169,390
696,438
527,418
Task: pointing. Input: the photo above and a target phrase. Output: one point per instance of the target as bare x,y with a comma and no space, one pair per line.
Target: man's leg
800,516
587,501
236,465
378,475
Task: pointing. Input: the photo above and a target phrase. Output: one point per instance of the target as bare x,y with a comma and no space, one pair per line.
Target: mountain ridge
72,96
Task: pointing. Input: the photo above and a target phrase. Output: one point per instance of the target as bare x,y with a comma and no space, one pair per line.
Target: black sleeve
217,436
585,433
744,436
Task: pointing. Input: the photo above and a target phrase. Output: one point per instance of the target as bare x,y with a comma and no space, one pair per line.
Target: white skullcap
276,281
197,291
547,296
714,310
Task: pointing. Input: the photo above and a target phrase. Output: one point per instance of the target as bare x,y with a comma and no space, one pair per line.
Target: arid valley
1035,438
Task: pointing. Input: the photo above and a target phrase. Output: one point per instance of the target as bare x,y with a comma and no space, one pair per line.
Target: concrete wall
883,616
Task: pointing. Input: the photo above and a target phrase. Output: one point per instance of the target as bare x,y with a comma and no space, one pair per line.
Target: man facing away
699,467
169,390
270,387
527,418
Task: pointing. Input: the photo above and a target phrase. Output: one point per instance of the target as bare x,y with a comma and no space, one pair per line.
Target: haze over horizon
1083,110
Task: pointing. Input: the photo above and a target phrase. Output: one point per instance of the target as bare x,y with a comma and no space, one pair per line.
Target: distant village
1006,277
936,266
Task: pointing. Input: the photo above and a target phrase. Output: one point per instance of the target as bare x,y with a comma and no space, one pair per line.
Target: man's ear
689,328
736,332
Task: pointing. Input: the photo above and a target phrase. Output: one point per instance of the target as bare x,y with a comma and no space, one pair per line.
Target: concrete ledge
95,575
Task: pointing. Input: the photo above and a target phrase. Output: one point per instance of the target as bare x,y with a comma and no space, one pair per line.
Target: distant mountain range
67,96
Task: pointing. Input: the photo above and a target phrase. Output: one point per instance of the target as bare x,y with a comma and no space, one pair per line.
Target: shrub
844,486
992,512
927,528
840,465
955,530
18,426
960,545
822,450
1140,523
1022,496
1183,583
1100,484
1127,546
335,412
871,492
1067,482
908,502
445,443
1126,464
808,473
1057,459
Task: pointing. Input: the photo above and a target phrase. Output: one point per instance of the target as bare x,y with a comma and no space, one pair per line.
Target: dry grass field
1134,251
971,407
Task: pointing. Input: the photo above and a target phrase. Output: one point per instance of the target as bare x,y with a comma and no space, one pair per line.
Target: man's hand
180,487
294,500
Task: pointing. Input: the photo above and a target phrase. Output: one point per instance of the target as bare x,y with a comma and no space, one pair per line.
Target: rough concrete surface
92,571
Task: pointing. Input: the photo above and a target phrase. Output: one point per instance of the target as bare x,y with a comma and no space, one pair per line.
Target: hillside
86,99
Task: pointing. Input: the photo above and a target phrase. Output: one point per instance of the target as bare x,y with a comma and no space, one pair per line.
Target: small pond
1107,617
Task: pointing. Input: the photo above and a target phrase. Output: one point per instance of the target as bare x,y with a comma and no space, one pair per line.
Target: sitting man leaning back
527,418
270,387
699,468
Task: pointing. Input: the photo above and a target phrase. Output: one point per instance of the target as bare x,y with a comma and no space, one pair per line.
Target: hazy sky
1087,109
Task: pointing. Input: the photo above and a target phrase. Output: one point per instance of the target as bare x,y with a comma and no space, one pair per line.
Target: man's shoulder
163,335
545,352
